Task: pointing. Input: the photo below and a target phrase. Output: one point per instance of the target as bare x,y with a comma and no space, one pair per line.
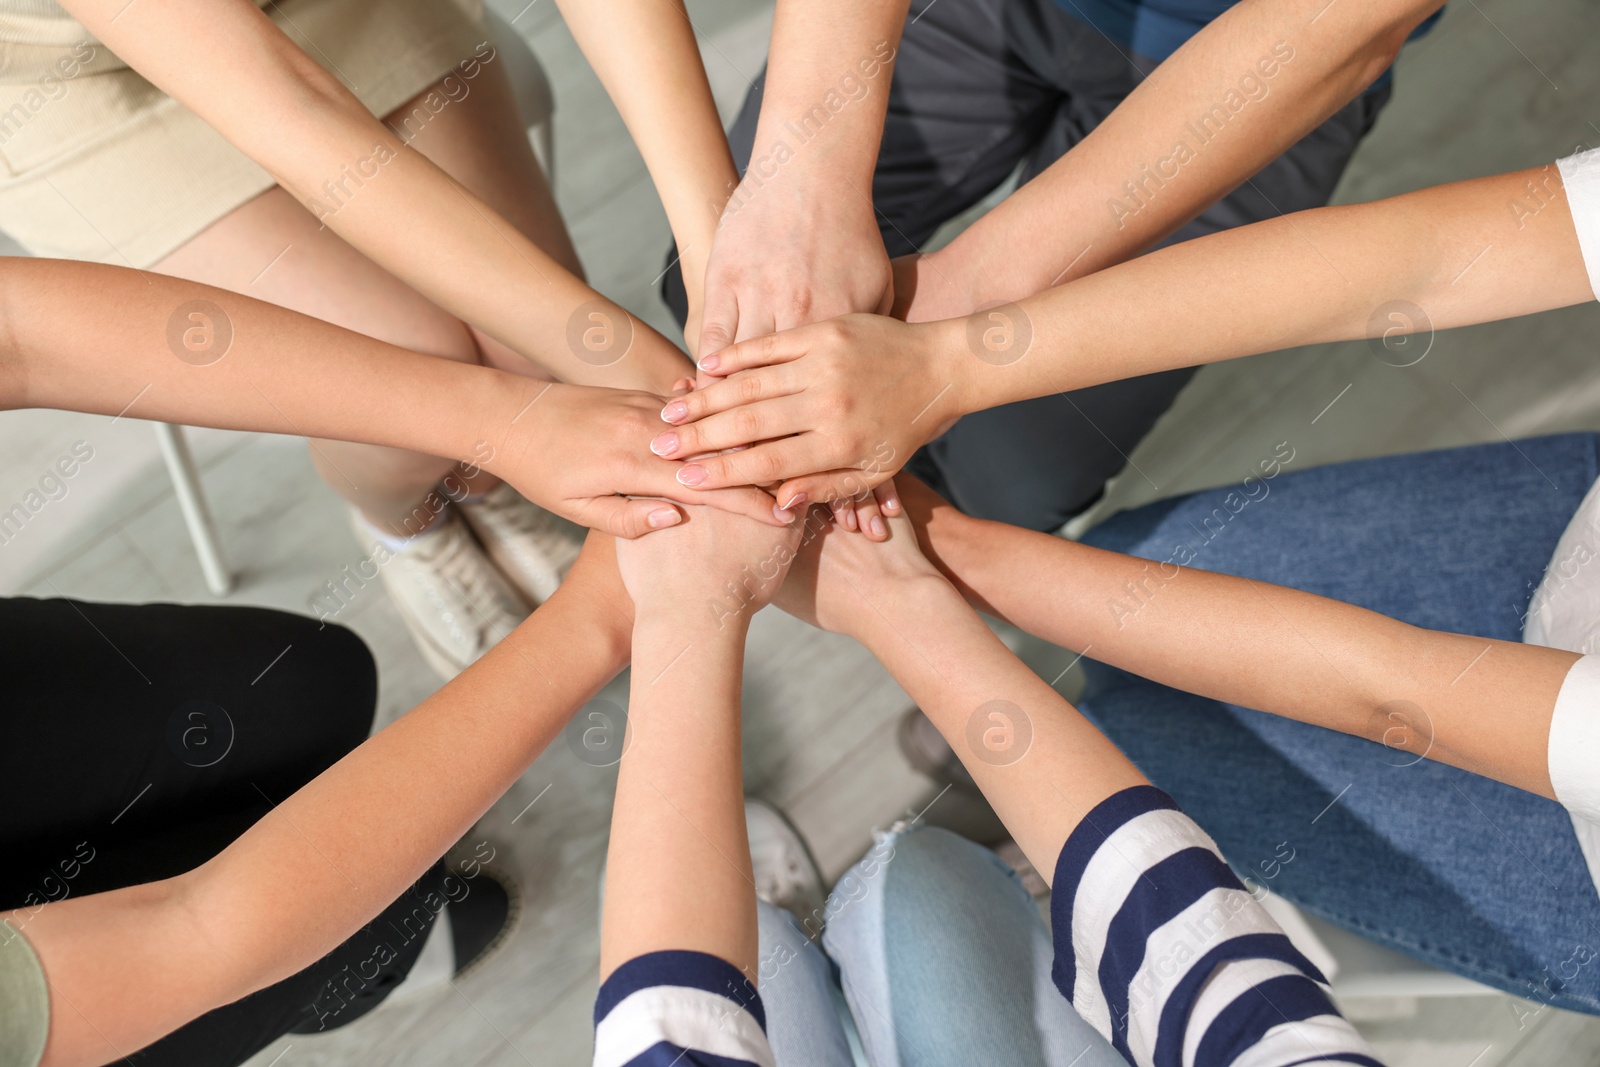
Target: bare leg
273,249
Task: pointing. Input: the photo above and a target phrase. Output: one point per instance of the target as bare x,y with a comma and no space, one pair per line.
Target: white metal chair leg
192,502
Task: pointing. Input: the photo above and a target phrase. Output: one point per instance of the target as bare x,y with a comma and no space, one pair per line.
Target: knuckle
750,388
747,424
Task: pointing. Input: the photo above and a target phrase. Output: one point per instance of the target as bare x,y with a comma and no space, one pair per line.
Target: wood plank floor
1497,85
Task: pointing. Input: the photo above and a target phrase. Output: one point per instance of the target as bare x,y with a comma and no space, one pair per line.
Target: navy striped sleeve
679,1009
1161,949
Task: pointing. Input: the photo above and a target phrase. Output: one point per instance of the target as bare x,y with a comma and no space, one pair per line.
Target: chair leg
192,502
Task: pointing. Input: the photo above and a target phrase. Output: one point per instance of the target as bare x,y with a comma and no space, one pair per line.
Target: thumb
719,324
624,517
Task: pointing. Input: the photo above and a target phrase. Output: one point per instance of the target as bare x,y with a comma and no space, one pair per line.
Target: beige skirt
97,164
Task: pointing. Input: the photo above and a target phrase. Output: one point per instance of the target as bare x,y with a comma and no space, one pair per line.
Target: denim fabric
943,959
1465,873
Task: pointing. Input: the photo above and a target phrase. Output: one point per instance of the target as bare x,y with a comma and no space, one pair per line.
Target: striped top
679,1009
1164,952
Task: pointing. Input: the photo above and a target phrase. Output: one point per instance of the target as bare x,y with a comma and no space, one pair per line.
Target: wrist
704,620
896,603
954,371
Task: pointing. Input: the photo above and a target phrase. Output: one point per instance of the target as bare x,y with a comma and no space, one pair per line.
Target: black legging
140,740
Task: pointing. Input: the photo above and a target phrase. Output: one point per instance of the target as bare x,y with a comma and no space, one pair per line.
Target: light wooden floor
1498,85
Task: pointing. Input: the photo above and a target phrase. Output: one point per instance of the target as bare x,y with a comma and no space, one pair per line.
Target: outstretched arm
1263,646
646,56
308,131
678,931
155,347
1262,75
798,241
1452,255
127,966
1125,866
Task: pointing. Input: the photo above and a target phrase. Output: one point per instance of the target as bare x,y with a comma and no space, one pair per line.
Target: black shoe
485,918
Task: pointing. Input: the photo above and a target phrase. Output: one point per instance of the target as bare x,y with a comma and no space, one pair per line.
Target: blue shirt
1155,29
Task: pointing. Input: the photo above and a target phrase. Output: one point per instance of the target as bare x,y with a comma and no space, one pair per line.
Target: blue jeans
942,960
1462,872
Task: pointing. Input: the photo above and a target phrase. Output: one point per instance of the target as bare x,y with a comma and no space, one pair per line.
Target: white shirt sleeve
1581,176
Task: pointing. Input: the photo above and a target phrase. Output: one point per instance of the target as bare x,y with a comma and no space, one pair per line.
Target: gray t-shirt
24,1002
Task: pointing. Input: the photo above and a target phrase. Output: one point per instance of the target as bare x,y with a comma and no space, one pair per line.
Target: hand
580,451
714,565
787,254
837,407
838,577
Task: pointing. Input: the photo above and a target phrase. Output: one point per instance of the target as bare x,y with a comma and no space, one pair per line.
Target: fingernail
892,504
783,515
798,500
711,363
665,444
692,474
661,518
674,412
878,528
850,519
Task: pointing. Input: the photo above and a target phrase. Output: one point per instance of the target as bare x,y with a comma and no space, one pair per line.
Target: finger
744,500
724,395
746,425
870,517
625,517
844,513
763,464
762,351
888,498
719,321
682,386
830,485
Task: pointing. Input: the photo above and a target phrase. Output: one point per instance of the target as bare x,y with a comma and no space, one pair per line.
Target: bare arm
1277,68
1481,705
310,133
155,347
646,56
798,241
678,867
127,966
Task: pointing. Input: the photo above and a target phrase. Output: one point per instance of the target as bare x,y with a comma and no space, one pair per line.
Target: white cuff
1581,176
1575,740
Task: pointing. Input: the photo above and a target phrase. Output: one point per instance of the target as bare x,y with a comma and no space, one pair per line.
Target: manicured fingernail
783,515
892,504
665,444
798,500
675,411
692,474
878,528
661,518
850,519
711,363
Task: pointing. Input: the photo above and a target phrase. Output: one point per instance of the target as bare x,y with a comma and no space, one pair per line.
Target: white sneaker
532,547
453,600
781,865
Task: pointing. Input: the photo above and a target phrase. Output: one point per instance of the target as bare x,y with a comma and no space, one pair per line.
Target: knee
331,677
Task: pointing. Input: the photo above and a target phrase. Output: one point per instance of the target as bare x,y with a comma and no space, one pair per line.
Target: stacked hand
581,452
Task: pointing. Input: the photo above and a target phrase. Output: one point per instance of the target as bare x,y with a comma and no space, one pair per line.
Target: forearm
361,180
1448,256
131,965
678,867
1478,704
1275,68
248,365
646,56
1037,761
826,93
